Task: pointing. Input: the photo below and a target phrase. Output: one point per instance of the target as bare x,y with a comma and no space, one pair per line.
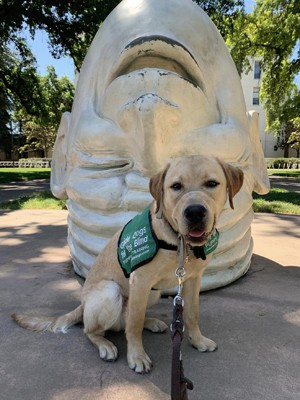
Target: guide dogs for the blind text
189,194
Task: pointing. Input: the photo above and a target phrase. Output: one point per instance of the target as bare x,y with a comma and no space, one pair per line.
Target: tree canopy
28,99
56,97
72,25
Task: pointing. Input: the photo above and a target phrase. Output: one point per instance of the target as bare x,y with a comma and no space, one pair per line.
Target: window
257,70
255,95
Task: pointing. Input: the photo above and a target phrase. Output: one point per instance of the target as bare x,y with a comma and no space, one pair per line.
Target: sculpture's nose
150,122
195,213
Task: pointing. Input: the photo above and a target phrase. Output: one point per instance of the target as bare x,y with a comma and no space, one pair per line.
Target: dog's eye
176,186
212,184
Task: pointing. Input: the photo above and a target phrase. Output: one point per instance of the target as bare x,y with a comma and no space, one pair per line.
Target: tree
70,25
285,121
18,76
223,13
39,137
19,84
294,135
56,98
26,97
271,31
5,132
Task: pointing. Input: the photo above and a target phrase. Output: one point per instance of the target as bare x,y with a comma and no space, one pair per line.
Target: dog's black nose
195,212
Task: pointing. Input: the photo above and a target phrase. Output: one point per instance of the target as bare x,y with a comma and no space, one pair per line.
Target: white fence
25,164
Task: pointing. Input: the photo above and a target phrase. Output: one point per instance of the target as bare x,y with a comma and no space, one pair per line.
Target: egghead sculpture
153,87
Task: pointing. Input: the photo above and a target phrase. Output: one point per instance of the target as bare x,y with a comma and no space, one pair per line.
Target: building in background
251,84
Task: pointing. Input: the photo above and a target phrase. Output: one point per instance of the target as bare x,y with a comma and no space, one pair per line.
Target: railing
25,164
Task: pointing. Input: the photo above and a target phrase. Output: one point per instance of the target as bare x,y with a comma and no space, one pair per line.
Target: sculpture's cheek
228,141
59,160
98,194
96,135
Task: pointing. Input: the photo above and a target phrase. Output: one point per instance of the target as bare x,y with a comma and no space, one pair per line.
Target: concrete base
255,321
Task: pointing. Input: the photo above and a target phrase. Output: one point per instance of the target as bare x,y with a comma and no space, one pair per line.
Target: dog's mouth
199,236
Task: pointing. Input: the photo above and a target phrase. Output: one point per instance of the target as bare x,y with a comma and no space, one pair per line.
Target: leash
179,383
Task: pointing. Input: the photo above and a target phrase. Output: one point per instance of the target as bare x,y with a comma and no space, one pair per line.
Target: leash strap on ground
179,383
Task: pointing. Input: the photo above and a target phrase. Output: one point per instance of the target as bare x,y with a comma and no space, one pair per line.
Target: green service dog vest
138,243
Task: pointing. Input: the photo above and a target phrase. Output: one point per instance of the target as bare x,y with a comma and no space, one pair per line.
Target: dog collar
138,243
199,251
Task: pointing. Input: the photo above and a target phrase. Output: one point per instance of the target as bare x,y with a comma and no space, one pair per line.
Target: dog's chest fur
161,271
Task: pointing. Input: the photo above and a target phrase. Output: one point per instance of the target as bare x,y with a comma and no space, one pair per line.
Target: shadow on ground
255,321
282,182
13,190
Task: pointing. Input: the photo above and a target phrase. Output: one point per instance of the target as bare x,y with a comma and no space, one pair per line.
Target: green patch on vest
212,244
137,243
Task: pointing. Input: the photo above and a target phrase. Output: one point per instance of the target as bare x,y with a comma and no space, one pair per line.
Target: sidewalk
255,321
285,182
13,190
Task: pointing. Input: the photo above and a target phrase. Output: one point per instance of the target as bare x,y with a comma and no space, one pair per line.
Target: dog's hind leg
104,309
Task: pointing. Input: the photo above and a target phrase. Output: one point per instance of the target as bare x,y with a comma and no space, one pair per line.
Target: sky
39,48
65,65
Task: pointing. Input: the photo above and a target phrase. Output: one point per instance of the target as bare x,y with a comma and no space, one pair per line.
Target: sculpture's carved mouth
97,166
161,53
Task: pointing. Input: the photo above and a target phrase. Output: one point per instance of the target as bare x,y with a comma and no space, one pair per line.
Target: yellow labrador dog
189,194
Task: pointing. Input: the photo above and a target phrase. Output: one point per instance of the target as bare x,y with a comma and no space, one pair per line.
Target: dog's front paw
204,344
140,362
155,325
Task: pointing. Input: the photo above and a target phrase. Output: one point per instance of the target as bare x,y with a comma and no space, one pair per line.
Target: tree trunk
286,152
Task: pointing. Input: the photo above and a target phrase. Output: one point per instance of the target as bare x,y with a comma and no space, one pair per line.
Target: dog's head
191,193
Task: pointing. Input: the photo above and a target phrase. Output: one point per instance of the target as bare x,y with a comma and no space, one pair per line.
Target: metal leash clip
178,299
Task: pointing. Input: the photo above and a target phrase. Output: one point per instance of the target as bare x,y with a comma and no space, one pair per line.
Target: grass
294,173
43,200
277,201
23,174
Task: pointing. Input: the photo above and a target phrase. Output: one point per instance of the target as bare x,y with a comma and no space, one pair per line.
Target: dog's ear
156,188
234,178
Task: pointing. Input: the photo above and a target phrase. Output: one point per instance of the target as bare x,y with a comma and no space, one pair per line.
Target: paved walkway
255,321
284,182
13,190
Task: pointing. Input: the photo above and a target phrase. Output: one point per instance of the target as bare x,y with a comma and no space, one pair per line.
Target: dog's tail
55,324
